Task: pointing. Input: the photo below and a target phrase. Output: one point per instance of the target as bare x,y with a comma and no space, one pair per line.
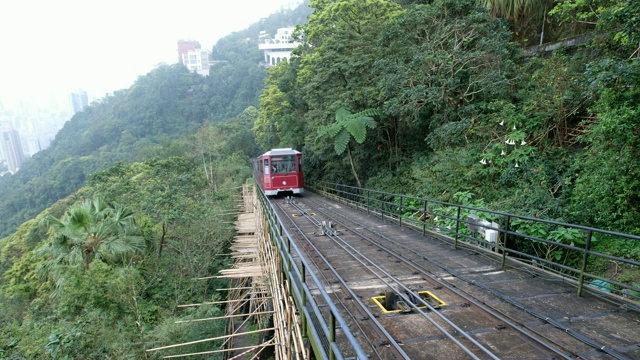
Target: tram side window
266,166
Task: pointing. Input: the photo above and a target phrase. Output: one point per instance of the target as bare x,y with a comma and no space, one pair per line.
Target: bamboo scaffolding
223,317
248,265
245,241
210,339
255,271
260,288
213,302
244,256
285,318
230,212
235,288
242,237
254,356
222,350
231,323
245,250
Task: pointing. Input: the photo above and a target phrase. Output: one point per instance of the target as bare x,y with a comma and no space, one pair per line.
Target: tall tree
340,51
441,65
273,107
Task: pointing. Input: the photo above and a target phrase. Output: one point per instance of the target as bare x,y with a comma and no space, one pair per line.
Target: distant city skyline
79,100
64,55
56,47
11,147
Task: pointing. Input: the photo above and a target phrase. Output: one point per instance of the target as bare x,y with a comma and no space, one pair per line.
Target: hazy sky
50,47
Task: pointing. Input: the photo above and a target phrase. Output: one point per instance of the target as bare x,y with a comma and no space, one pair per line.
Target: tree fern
347,126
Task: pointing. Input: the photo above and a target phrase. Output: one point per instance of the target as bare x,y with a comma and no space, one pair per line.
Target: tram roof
283,151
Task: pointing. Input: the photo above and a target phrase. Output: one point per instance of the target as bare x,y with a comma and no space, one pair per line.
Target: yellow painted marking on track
379,300
294,215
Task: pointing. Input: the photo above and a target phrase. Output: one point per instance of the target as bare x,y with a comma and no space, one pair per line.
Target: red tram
279,171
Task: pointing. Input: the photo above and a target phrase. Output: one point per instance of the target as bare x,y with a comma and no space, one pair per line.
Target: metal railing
565,250
319,328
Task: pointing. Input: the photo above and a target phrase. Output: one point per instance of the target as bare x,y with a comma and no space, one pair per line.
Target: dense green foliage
463,111
108,280
101,286
551,135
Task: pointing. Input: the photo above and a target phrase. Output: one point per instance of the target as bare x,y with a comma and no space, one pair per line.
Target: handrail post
332,334
368,202
504,243
424,221
587,248
455,242
400,214
304,301
289,263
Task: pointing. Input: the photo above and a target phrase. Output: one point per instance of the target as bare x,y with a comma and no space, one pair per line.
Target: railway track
407,297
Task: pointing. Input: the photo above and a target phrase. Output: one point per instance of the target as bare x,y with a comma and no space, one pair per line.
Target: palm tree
511,9
93,230
524,14
346,126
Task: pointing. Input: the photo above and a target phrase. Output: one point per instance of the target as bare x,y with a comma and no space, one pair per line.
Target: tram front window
283,164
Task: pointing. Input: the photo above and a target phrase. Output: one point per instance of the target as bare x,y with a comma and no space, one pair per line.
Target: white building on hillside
191,55
278,48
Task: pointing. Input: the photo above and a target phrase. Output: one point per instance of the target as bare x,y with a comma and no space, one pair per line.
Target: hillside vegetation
104,231
555,135
141,122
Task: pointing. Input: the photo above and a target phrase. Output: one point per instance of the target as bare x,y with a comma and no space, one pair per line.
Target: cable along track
397,308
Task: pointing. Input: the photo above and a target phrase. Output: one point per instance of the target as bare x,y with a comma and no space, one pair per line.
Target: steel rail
285,251
407,300
354,296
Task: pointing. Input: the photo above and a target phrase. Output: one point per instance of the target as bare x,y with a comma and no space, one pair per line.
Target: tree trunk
353,167
165,227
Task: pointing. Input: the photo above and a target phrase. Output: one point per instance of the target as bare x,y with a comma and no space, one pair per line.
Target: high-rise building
79,100
11,147
32,144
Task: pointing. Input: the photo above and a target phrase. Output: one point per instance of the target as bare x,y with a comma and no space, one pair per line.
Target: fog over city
56,48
